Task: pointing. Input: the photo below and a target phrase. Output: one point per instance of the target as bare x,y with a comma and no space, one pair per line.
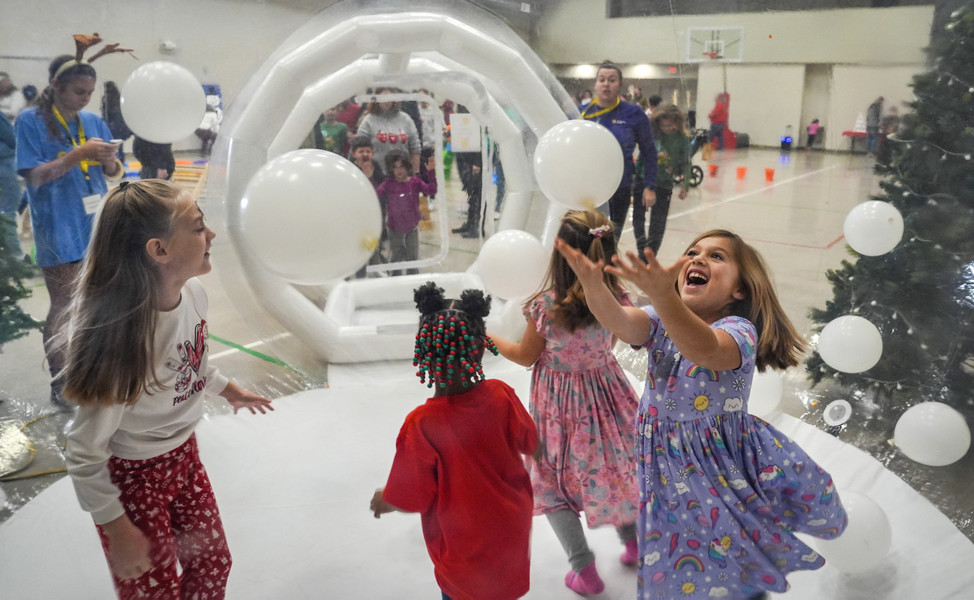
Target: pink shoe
585,583
631,556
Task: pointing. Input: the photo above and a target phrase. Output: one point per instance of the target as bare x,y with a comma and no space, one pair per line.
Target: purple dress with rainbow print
721,491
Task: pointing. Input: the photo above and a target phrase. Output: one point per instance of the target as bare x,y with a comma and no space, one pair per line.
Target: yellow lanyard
76,143
585,114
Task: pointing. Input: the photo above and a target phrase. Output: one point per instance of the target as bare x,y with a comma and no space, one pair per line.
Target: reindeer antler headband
81,44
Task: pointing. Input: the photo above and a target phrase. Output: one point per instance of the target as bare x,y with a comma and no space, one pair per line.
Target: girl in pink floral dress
583,405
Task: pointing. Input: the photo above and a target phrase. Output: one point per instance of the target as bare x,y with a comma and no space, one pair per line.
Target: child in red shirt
477,519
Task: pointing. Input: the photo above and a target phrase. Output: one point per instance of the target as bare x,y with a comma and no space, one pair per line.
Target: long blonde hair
779,344
577,226
113,313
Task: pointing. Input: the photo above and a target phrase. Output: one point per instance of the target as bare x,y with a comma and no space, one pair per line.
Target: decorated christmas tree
14,322
920,295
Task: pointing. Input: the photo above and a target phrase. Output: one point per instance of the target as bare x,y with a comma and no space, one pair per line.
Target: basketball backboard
722,44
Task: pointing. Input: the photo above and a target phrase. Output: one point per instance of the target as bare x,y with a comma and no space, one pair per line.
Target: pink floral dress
585,411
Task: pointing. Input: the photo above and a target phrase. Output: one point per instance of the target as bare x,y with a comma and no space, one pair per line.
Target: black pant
619,209
652,238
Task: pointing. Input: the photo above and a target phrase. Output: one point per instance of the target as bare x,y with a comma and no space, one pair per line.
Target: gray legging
568,528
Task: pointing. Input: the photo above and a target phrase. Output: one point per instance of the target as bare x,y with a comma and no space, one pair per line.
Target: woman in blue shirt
64,154
630,125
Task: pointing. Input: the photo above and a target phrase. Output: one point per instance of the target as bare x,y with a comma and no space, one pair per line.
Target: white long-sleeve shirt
160,421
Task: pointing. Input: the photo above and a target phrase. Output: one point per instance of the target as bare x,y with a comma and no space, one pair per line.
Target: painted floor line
751,193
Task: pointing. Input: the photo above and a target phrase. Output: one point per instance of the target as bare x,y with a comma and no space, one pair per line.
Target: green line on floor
260,355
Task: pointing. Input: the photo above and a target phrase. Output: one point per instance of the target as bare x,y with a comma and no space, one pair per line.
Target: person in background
630,126
348,113
719,117
401,190
887,129
209,127
10,193
389,128
654,101
157,160
361,155
673,156
111,113
330,134
12,100
64,155
813,128
873,115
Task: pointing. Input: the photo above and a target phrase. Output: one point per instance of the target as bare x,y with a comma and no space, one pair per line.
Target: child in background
361,153
721,492
401,192
583,405
458,457
813,128
137,364
331,134
673,167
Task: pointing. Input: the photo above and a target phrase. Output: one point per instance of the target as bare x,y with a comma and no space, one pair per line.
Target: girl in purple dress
583,405
721,492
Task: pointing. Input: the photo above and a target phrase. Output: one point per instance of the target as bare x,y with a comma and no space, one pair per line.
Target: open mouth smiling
696,278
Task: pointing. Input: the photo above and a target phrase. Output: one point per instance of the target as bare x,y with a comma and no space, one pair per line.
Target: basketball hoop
712,55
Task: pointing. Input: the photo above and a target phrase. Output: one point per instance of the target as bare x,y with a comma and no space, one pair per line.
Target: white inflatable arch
452,49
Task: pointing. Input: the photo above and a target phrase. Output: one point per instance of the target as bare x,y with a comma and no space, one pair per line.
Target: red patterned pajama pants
169,498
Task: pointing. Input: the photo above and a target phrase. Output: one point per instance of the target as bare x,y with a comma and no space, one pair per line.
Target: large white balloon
310,216
850,344
512,263
162,102
767,388
873,228
578,164
866,540
932,433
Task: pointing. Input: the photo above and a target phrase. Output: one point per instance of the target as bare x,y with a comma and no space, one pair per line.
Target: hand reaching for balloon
652,278
589,273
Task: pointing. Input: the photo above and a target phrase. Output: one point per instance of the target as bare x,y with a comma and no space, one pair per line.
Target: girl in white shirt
138,367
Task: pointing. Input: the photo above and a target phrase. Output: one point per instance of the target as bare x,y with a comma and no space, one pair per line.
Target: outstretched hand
239,398
652,278
379,506
589,273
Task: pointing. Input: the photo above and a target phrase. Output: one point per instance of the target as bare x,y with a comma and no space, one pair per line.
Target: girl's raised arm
629,324
692,335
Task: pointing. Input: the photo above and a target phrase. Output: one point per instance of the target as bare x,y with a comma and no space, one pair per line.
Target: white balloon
873,228
766,392
310,216
866,541
932,433
578,164
512,263
162,102
850,344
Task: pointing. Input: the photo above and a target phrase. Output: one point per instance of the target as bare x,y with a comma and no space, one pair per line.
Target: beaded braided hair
452,336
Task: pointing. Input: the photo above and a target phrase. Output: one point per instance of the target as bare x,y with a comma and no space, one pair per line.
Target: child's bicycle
700,137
